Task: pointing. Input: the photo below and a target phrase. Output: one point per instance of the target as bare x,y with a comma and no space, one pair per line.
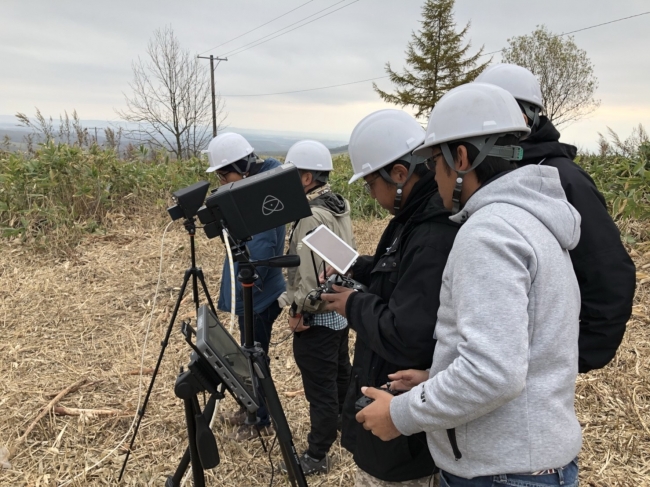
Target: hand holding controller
364,401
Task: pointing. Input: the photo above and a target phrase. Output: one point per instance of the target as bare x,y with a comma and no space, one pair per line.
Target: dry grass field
85,316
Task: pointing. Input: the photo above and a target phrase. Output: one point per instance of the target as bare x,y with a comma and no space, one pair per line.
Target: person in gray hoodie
498,402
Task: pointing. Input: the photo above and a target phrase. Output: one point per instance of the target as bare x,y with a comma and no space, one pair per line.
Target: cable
245,48
485,54
275,438
258,27
144,348
226,237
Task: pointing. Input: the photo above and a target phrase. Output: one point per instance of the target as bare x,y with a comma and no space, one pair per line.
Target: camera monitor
226,356
255,204
331,248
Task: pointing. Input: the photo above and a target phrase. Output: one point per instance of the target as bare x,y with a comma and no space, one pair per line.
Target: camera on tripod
255,204
243,209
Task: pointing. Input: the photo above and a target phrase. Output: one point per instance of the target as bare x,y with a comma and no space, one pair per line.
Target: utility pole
214,100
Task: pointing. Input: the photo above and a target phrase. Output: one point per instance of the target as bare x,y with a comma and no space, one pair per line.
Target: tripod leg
197,469
163,345
175,480
199,272
291,459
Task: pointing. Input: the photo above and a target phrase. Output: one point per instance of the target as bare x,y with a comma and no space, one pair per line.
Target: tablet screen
331,248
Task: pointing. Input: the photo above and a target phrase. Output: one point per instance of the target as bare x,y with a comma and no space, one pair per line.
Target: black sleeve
401,330
361,269
605,271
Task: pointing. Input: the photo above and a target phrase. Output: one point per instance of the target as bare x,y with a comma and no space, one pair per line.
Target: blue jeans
262,326
566,477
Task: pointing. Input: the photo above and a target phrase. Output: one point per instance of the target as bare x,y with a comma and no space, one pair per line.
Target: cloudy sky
69,54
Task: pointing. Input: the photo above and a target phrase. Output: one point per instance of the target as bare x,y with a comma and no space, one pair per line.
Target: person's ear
307,178
399,173
462,159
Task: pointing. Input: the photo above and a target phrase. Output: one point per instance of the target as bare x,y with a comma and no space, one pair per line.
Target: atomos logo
271,204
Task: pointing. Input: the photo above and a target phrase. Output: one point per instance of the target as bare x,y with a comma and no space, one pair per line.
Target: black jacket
395,321
605,272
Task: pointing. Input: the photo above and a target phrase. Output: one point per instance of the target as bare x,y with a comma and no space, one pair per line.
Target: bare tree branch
171,98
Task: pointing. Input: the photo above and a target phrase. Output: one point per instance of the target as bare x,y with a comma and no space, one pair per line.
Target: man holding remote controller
320,341
393,319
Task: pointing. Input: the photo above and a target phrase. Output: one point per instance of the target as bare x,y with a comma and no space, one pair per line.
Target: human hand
329,270
376,416
296,324
337,301
405,380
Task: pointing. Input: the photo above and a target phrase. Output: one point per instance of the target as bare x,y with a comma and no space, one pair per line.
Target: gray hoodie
504,368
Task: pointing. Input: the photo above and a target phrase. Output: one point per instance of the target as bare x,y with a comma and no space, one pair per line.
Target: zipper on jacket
451,434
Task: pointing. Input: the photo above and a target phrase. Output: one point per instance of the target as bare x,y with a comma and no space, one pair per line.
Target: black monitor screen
228,350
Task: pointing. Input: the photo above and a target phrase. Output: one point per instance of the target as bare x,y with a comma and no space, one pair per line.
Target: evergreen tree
437,60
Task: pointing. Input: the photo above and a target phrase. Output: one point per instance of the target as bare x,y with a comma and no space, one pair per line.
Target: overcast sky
63,55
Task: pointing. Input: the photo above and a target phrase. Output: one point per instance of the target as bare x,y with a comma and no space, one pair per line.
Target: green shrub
363,206
63,186
624,180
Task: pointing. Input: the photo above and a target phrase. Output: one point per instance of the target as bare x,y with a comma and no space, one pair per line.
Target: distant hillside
267,142
339,150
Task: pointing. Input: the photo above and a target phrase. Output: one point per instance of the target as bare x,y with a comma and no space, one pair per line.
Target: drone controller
337,280
364,401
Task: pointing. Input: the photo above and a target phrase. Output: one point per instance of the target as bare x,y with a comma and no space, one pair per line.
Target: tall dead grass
85,315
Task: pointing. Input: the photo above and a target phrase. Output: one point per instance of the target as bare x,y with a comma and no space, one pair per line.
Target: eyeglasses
431,162
368,184
222,176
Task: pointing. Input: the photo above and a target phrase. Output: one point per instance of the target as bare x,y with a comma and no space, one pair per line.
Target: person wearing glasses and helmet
498,401
395,320
232,159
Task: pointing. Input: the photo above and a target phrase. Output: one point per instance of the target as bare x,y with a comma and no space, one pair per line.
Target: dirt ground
85,316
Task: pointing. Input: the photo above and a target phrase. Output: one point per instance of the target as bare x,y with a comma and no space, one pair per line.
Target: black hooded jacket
395,321
605,272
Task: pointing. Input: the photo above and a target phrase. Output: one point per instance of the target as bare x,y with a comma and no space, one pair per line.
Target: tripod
201,447
196,273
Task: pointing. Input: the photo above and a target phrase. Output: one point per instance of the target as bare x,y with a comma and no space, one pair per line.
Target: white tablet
331,248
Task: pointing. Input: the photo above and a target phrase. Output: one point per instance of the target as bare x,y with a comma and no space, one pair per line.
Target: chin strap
486,148
532,112
412,161
250,160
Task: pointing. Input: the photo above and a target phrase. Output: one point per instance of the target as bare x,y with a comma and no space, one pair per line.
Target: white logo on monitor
271,204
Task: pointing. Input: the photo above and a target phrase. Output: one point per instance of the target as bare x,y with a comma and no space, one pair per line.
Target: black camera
188,201
255,204
337,280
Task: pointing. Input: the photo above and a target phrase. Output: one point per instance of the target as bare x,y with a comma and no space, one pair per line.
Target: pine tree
437,60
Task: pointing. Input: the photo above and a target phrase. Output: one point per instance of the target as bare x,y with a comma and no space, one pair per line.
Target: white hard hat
225,149
518,81
310,155
381,138
472,110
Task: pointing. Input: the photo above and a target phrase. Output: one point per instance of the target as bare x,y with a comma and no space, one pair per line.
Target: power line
580,30
310,89
255,43
485,54
258,27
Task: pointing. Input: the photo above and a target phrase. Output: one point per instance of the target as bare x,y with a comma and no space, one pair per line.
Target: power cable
311,89
386,76
258,27
580,30
255,43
